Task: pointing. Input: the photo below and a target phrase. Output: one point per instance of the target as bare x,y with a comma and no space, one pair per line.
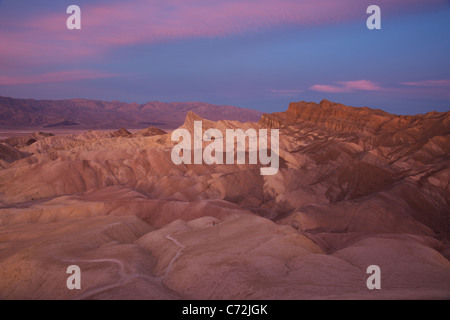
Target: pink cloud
53,77
363,85
328,88
145,21
429,83
347,86
45,39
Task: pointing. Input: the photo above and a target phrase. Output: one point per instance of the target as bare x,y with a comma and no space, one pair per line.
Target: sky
259,54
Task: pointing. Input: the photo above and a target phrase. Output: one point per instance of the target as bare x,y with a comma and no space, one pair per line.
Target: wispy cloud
62,76
146,21
364,85
120,23
142,21
347,86
429,83
30,44
328,88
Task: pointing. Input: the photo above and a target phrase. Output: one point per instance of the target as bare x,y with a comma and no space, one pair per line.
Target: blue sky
255,54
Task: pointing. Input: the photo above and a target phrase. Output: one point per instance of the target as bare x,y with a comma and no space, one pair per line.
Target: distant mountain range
93,114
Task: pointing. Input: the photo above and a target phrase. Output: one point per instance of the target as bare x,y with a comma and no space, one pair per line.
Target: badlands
356,187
